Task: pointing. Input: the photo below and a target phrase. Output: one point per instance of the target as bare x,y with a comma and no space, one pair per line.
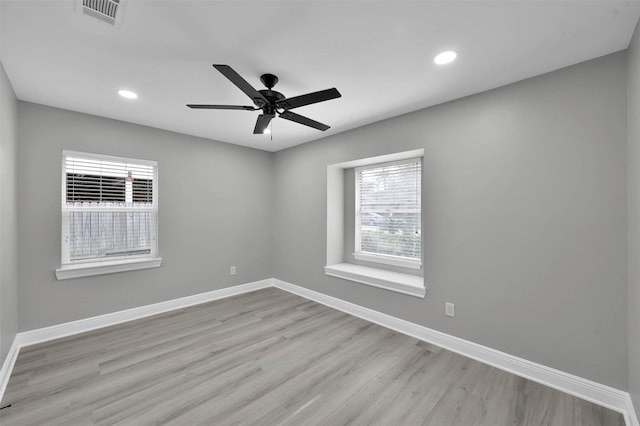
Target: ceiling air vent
106,11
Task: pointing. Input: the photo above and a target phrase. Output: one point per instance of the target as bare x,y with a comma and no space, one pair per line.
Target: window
109,213
388,220
386,223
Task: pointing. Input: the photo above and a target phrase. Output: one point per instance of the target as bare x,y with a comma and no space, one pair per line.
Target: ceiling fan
272,102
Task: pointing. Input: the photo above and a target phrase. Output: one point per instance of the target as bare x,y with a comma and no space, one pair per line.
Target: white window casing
109,214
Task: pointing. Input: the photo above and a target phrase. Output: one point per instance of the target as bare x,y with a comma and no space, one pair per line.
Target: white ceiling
379,54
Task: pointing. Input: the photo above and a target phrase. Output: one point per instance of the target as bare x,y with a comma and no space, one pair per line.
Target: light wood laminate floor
270,357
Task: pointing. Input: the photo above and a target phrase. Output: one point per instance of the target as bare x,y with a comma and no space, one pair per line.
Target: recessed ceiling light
266,131
445,57
127,94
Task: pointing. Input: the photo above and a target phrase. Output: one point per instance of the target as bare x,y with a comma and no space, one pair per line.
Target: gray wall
8,216
213,213
633,194
524,217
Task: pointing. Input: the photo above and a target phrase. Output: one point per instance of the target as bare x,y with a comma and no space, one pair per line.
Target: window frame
386,259
92,266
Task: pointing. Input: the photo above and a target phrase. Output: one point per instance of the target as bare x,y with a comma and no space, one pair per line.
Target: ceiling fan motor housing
271,96
270,80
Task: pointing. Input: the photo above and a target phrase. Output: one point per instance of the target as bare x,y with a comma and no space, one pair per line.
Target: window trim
88,267
411,285
386,259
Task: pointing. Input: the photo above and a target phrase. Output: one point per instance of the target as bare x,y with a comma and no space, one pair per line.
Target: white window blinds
109,208
388,202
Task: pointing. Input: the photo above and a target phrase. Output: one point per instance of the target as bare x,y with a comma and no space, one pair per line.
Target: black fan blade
288,115
309,98
261,123
242,84
247,108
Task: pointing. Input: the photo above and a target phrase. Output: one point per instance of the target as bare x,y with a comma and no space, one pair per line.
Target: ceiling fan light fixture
445,57
128,94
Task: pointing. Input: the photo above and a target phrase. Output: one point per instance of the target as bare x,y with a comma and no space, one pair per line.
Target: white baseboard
600,394
7,365
631,418
582,388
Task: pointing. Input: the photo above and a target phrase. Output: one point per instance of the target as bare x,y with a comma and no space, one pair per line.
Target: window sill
98,268
395,281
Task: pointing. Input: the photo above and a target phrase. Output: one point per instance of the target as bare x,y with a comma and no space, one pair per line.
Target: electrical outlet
449,309
232,270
